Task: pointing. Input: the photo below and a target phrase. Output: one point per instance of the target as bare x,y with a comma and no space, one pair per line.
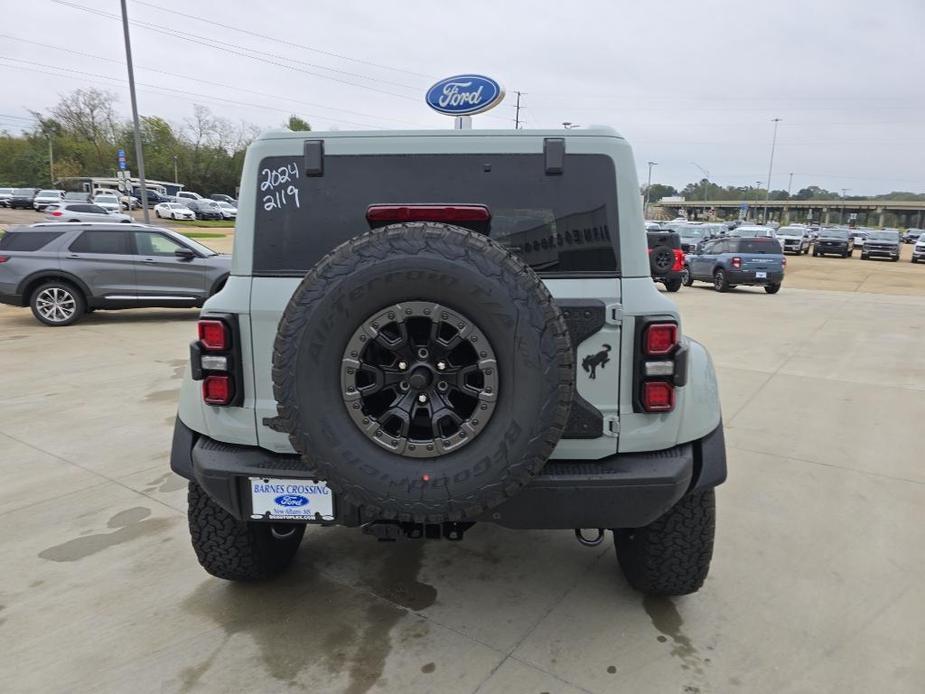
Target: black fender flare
218,284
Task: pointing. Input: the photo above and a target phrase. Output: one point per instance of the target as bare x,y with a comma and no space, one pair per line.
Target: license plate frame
760,275
274,499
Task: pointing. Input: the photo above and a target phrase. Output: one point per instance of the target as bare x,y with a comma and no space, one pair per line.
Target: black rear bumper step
627,490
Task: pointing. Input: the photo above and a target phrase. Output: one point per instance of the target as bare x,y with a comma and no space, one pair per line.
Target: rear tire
673,285
772,288
686,278
720,283
671,555
236,550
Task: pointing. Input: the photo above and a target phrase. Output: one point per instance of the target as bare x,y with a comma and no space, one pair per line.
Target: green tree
296,124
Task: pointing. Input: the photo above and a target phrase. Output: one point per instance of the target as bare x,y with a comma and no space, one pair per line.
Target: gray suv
65,270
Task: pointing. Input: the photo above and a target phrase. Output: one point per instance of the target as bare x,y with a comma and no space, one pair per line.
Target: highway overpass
867,212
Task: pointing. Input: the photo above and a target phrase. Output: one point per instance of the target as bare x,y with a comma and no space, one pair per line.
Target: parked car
221,197
794,239
22,198
447,411
756,231
62,270
882,244
912,235
75,196
5,195
83,212
44,198
107,201
206,209
666,259
735,260
173,210
189,195
692,237
834,242
152,195
228,210
918,250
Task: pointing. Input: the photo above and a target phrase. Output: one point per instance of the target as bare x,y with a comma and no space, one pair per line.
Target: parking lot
815,586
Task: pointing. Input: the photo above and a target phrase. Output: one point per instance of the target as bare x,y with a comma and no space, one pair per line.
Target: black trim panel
584,317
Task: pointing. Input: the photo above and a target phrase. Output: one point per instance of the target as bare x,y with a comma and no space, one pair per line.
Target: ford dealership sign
464,95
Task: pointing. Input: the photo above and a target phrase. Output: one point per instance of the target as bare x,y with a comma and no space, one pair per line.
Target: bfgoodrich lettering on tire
418,335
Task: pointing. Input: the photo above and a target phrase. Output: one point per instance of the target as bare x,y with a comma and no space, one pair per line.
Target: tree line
707,190
81,135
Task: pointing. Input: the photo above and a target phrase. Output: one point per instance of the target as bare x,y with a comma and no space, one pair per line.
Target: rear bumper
623,491
881,252
747,277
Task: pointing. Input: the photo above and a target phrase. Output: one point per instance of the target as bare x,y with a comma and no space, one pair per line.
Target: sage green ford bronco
425,330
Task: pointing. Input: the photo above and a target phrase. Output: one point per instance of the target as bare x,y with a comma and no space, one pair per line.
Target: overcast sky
684,81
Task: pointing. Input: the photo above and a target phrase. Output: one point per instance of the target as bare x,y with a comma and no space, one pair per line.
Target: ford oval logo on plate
291,500
464,95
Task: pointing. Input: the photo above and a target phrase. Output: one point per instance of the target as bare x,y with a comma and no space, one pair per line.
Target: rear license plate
761,275
281,499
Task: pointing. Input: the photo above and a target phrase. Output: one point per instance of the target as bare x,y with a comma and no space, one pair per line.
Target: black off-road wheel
236,550
424,372
661,260
671,556
673,285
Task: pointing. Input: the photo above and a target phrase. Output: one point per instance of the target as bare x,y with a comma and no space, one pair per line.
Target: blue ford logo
464,95
291,500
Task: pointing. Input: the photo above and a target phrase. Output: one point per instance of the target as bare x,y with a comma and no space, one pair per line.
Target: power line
196,96
240,51
282,41
209,82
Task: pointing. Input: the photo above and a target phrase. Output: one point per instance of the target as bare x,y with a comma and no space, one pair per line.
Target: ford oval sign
464,95
291,500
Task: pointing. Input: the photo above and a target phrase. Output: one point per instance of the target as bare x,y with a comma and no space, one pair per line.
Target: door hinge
612,426
614,314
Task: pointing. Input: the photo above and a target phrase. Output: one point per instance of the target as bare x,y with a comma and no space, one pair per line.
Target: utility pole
517,111
139,155
176,177
767,193
51,160
645,205
842,216
790,184
706,186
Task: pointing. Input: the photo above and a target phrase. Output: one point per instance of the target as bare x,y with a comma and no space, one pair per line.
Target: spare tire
661,260
424,372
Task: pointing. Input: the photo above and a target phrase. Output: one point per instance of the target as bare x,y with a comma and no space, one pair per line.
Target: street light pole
706,187
767,193
790,184
645,205
139,155
176,177
842,216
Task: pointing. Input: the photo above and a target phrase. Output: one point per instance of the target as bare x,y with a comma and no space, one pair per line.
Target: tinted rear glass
557,223
116,242
758,245
27,240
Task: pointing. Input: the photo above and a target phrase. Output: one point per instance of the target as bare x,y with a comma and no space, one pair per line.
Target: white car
108,201
44,198
189,195
228,210
173,210
5,195
794,239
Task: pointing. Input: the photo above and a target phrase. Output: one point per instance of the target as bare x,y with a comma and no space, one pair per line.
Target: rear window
560,224
27,240
759,245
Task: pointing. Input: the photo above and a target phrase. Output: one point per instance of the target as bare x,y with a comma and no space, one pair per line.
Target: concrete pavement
816,581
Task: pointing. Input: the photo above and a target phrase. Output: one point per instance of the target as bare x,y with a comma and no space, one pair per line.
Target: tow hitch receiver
389,531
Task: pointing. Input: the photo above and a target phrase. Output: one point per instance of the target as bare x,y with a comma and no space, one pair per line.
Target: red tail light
659,339
678,260
217,390
57,213
213,334
4,258
390,214
658,396
737,262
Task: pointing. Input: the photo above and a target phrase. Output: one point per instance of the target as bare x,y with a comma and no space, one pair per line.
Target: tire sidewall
477,475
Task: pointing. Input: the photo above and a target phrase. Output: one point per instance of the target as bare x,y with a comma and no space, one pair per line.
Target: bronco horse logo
592,361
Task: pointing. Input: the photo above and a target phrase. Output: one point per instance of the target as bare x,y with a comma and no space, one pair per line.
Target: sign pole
139,155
